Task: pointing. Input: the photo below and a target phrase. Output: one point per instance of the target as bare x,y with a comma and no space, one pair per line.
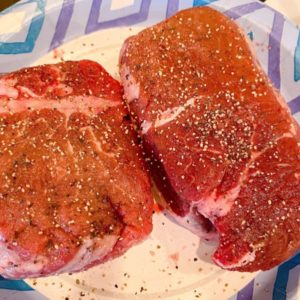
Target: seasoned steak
223,147
73,187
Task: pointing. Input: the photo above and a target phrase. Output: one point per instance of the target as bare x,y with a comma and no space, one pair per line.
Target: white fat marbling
86,105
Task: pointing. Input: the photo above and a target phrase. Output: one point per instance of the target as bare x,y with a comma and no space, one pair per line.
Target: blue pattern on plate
17,285
297,60
202,2
33,32
280,286
251,35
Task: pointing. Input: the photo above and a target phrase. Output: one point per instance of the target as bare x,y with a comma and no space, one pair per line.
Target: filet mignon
223,147
73,187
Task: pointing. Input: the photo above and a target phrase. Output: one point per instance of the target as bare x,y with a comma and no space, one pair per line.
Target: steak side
74,191
222,145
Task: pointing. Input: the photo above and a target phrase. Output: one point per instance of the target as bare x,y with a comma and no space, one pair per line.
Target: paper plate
172,263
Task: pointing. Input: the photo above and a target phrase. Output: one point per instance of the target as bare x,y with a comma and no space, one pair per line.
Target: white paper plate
172,263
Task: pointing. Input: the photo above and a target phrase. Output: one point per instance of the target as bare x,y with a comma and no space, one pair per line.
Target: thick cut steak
223,147
73,187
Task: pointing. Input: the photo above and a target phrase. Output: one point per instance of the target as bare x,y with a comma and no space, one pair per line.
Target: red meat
73,187
222,145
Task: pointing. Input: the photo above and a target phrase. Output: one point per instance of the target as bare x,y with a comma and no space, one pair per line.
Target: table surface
6,3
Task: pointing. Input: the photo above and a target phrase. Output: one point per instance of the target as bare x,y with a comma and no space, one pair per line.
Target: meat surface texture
222,145
73,187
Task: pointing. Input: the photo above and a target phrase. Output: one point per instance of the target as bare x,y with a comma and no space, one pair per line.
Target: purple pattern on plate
274,50
241,10
62,23
135,18
294,105
247,292
172,8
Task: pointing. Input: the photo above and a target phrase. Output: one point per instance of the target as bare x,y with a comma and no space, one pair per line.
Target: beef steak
222,145
73,187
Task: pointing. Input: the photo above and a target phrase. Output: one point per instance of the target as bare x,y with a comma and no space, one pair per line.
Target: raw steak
73,188
223,147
